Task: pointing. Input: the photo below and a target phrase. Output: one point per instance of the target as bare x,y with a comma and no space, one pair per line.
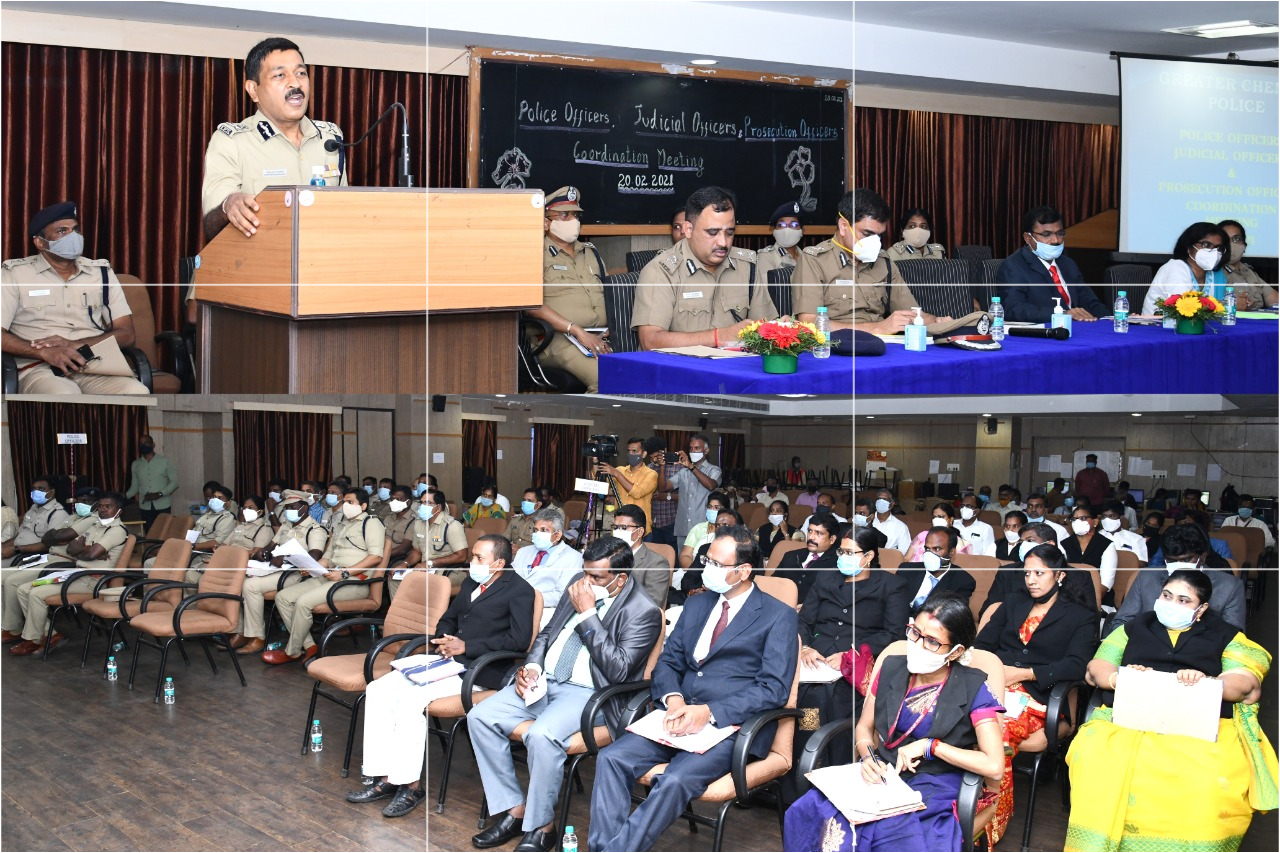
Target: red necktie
538,559
1057,279
720,626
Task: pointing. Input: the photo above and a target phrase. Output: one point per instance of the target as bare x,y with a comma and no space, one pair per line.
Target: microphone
1058,334
403,178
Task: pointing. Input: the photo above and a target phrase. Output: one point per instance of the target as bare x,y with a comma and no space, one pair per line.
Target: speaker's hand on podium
239,208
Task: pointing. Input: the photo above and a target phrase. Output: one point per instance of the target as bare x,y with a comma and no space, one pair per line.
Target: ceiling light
1229,29
617,405
706,61
499,395
871,417
1136,414
986,414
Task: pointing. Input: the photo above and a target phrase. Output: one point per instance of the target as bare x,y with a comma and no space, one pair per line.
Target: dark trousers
149,517
625,761
665,535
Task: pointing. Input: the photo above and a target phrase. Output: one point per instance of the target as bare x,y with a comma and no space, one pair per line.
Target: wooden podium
318,235
312,339
460,316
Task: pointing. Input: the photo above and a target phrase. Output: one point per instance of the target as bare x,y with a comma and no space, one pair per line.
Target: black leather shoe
537,840
406,800
500,833
380,791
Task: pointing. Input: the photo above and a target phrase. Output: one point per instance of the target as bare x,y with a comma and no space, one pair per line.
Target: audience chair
974,561
780,290
933,271
533,376
747,777
1051,742
972,252
120,610
438,595
405,622
983,578
623,278
1126,559
496,526
636,260
782,548
665,551
1254,544
183,380
796,514
815,749
374,585
473,535
890,558
987,270
573,510
156,535
780,277
73,601
753,514
457,707
213,613
619,300
1234,537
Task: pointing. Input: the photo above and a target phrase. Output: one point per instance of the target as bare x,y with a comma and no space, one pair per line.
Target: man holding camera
696,479
637,482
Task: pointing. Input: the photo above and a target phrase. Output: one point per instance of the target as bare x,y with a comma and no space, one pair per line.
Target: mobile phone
85,352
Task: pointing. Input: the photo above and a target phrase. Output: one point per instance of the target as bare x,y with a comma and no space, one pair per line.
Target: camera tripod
588,514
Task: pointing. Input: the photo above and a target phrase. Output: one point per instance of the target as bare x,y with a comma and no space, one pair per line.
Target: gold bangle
1113,679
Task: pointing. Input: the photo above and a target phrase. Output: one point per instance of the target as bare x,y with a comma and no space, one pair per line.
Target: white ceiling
928,408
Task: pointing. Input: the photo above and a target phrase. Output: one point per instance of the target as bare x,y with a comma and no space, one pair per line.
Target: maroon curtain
556,456
977,175
294,446
112,434
733,451
447,100
123,134
480,446
676,439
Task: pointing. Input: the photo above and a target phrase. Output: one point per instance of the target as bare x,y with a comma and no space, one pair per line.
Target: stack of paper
890,797
651,726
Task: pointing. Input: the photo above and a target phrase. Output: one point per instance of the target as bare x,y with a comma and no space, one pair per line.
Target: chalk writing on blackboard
513,167
799,169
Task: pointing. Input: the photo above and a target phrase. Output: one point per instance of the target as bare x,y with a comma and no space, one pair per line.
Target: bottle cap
995,299
822,309
1057,304
1124,293
568,828
168,679
918,321
315,722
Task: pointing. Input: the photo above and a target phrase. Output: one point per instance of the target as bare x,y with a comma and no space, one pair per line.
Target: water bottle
317,737
113,673
317,176
118,647
569,844
168,691
1120,320
997,319
824,351
1229,302
271,647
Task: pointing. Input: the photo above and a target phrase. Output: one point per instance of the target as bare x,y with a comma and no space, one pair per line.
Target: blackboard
638,144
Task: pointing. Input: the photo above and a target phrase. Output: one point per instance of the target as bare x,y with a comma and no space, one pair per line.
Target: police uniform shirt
872,303
112,537
363,536
559,267
39,520
310,535
900,251
216,526
447,537
697,307
825,263
520,531
251,535
36,270
772,258
678,265
837,297
79,526
397,525
583,304
63,309
419,531
254,154
8,524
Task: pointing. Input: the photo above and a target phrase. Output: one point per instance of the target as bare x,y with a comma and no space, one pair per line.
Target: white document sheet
823,673
298,557
1154,701
650,726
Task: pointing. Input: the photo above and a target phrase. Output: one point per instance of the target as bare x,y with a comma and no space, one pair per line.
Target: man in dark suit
629,523
800,566
1041,261
732,654
492,612
600,634
919,580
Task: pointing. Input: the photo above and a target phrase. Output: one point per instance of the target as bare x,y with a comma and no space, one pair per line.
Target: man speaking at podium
277,145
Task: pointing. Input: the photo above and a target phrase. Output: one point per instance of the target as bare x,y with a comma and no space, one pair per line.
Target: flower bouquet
780,342
1191,310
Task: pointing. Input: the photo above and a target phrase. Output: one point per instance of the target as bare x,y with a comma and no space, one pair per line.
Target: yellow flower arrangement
1192,305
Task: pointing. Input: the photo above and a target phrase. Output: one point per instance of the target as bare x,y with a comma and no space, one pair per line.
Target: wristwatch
346,575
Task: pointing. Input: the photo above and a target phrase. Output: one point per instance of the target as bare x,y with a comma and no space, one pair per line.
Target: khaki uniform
33,601
254,154
398,528
1241,273
253,611
561,267
296,603
900,251
520,532
679,265
362,536
378,509
418,530
249,535
39,520
11,613
447,537
826,263
310,535
837,297
872,304
772,258
36,270
583,304
62,309
697,307
112,538
80,526
8,527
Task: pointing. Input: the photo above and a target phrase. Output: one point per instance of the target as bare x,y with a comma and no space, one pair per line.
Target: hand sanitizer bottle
917,335
1061,320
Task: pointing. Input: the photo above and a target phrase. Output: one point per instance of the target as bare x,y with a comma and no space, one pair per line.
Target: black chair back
637,260
619,300
973,253
933,271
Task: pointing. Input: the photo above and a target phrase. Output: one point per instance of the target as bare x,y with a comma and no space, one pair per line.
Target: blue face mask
368,490
714,580
83,510
1035,518
541,540
481,574
384,494
418,489
1048,252
424,511
527,507
39,497
217,505
331,500
1245,512
848,564
1174,616
711,515
292,516
485,501
982,499
1091,464
1068,501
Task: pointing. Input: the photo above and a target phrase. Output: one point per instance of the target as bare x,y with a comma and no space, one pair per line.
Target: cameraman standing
696,479
637,482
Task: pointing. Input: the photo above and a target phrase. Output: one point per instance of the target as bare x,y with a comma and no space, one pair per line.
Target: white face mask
882,506
398,506
867,249
1174,566
624,535
861,520
1207,259
696,457
916,237
1111,525
967,512
787,237
920,660
1025,548
931,561
1011,536
351,510
107,522
775,520
939,521
602,592
1080,526
566,231
250,515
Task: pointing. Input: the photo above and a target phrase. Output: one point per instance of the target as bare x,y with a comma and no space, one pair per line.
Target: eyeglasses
1238,239
795,225
564,215
626,527
1205,244
712,564
1061,235
844,552
929,642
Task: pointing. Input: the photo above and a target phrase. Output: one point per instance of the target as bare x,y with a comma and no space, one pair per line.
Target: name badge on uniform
842,281
558,267
693,294
37,293
274,173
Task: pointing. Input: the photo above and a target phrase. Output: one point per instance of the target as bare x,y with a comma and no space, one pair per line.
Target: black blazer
1033,303
500,620
789,567
880,610
951,721
1010,580
1023,267
1199,647
1060,648
955,580
826,621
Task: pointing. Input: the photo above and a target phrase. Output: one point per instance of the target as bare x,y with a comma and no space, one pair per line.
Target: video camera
603,448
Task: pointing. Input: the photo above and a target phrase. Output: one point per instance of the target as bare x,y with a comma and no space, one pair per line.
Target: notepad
651,726
705,352
1151,701
875,801
836,783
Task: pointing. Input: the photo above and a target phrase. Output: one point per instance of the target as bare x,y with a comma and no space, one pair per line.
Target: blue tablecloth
664,373
1240,359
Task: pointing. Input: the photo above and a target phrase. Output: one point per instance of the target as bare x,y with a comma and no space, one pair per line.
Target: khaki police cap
565,198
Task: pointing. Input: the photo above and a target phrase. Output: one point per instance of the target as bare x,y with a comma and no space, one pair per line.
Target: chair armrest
328,595
106,579
284,575
150,594
746,736
412,646
130,590
85,573
967,807
1057,707
190,602
381,646
548,334
10,374
815,747
635,705
596,702
482,663
141,366
345,623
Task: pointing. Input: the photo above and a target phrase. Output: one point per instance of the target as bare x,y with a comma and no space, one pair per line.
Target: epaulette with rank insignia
232,128
670,263
743,254
588,243
820,248
17,262
327,125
